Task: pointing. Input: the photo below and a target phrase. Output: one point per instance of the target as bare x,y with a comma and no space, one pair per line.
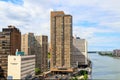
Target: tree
49,55
37,71
74,78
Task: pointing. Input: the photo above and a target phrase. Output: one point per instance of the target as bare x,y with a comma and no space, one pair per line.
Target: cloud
98,38
24,16
91,18
88,32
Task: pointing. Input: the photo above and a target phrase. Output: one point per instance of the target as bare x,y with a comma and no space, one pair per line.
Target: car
56,77
35,78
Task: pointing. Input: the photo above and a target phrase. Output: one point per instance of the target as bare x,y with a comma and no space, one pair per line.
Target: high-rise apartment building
41,46
79,56
37,45
61,41
10,40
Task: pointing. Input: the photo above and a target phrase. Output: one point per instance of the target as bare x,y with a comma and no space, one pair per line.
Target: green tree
85,77
74,78
37,71
49,55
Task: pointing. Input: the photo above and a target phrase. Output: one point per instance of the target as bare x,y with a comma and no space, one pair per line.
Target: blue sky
98,21
17,2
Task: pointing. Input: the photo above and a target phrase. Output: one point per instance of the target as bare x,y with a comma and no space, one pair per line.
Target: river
105,67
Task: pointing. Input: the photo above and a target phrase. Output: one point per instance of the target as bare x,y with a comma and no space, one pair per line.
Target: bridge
99,51
93,51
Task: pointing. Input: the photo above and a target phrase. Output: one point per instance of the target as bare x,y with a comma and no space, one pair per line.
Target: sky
97,21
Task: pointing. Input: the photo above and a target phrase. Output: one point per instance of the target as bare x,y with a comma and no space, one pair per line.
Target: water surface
105,67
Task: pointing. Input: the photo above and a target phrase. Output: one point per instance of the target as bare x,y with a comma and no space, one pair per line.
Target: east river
105,67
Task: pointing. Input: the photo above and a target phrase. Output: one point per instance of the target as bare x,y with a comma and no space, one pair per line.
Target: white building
20,67
79,55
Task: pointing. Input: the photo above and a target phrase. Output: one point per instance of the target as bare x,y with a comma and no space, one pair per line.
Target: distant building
21,67
10,40
37,45
79,56
27,42
116,52
61,41
49,47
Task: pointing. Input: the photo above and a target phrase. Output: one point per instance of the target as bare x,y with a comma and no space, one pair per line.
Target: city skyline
96,21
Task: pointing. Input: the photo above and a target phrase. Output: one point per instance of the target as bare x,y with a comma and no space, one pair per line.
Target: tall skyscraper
37,45
10,40
61,41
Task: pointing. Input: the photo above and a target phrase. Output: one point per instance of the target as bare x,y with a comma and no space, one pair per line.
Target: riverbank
106,54
83,74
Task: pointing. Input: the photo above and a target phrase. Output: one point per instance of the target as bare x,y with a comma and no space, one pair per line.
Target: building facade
61,41
37,45
21,67
79,56
10,40
3,66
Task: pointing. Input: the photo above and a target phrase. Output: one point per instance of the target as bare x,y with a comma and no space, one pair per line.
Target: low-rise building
21,67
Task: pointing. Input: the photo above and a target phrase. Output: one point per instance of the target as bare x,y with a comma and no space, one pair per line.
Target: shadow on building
79,58
1,74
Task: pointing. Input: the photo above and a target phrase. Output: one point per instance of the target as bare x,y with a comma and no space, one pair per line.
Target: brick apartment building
61,41
36,45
